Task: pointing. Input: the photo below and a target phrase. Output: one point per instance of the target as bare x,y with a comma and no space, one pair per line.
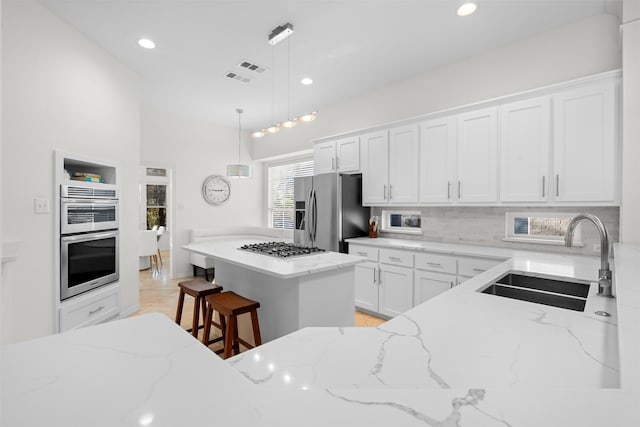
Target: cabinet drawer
470,267
389,256
369,251
438,263
89,312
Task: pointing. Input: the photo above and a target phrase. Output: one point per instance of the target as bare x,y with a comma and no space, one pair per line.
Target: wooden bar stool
229,306
198,289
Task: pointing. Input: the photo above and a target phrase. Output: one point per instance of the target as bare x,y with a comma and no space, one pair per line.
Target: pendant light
239,170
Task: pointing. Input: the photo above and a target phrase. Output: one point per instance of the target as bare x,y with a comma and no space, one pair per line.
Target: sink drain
603,313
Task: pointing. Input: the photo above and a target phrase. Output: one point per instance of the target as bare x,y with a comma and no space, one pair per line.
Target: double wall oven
89,252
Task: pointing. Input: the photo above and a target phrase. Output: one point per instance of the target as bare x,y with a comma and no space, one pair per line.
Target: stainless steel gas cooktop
280,249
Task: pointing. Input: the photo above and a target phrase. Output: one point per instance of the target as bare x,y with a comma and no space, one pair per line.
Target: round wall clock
216,189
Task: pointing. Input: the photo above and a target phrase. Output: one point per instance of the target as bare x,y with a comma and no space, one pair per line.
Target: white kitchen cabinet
404,163
91,308
324,157
396,289
342,156
437,160
524,150
477,156
585,153
366,286
428,284
375,167
469,267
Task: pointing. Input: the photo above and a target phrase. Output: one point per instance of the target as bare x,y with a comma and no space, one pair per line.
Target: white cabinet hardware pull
557,185
379,276
451,284
543,185
448,190
337,162
362,253
459,184
333,163
384,192
390,187
479,270
434,264
374,276
96,310
393,258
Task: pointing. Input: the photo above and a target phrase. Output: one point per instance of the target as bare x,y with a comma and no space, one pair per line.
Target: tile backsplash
486,226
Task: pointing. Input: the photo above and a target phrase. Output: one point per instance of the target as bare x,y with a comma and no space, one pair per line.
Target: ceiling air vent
254,68
239,77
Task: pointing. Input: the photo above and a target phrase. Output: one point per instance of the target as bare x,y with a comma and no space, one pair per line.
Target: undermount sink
557,292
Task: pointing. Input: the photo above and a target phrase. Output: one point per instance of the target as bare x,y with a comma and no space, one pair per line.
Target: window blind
281,204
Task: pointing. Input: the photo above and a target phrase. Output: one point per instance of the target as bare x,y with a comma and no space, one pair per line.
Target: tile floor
159,294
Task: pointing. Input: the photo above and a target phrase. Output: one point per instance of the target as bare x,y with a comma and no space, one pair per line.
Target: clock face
216,190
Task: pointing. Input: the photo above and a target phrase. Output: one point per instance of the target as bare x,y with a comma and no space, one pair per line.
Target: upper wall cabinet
375,167
524,149
584,134
342,155
404,162
477,156
437,160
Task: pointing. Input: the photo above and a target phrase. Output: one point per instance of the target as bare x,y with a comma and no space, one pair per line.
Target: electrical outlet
596,248
41,205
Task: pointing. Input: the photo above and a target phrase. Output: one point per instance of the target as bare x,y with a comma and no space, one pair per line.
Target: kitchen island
415,370
308,290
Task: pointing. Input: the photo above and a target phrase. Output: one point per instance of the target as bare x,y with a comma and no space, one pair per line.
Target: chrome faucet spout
604,274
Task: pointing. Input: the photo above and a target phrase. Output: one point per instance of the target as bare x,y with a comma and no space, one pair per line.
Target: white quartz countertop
285,268
460,359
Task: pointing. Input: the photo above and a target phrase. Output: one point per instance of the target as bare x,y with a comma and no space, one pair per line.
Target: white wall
588,47
60,91
197,149
630,209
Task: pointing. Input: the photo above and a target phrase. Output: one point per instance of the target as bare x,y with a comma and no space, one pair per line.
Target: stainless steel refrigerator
329,211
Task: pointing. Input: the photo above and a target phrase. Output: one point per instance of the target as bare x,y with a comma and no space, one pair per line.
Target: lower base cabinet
396,290
428,284
366,281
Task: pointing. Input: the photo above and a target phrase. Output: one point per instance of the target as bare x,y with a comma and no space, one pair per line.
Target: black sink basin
557,292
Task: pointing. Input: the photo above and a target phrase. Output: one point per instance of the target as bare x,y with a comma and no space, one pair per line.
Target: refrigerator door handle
315,215
309,218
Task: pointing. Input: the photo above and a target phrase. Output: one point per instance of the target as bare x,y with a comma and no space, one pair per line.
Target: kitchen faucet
604,274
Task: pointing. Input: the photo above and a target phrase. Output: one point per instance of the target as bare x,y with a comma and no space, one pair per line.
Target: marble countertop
460,359
285,268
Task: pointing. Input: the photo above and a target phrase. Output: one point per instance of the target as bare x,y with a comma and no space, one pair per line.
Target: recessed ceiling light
306,81
467,9
146,43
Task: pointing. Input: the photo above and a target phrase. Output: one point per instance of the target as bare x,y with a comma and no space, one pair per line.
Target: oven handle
89,236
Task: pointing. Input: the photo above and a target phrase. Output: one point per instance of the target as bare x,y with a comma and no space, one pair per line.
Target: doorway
155,195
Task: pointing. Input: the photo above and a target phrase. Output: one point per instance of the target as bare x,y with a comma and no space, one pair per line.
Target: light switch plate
41,205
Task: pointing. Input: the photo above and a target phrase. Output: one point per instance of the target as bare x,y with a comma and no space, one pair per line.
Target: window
409,222
156,205
280,188
540,227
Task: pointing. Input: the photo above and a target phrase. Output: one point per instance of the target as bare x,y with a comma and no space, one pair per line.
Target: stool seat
198,289
229,306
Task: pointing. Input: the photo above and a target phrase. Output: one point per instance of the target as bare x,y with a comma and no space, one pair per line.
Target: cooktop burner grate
279,249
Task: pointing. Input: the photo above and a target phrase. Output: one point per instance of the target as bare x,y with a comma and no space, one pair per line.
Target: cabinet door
585,144
524,149
437,160
324,157
403,164
477,155
375,167
366,286
427,285
396,290
348,150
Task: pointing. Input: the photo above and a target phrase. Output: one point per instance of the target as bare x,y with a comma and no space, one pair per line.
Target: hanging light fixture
239,170
277,35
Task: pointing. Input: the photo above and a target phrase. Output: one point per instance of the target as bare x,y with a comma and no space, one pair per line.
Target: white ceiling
348,47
